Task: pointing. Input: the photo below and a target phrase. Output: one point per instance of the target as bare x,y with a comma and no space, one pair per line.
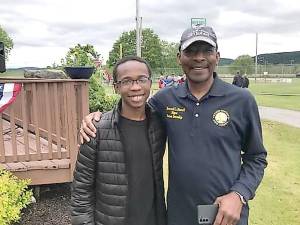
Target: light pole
138,32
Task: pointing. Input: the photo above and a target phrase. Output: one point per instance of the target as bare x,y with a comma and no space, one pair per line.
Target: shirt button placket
196,116
197,110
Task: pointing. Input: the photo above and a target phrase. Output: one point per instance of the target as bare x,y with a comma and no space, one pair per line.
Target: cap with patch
200,33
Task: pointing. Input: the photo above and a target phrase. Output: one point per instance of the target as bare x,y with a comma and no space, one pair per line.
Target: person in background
215,146
245,81
238,80
118,176
161,83
181,79
169,80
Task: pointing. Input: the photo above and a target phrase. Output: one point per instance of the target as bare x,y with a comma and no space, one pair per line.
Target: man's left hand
230,207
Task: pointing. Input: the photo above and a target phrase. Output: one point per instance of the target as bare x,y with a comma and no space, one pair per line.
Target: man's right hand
87,127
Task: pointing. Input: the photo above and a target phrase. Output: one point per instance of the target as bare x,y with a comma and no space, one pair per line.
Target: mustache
202,65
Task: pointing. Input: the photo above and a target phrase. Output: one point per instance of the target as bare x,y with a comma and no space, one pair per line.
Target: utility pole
138,31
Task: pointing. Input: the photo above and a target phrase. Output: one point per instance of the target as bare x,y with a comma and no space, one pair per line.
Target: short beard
200,80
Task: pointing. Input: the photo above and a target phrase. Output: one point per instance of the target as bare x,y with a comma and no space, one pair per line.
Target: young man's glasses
129,82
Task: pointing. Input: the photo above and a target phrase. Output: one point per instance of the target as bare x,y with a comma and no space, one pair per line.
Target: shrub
81,55
98,99
13,197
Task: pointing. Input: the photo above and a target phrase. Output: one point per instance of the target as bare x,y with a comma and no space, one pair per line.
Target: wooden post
48,118
13,133
25,123
72,128
36,121
57,120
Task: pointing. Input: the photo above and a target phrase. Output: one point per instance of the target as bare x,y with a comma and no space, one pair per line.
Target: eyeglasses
129,82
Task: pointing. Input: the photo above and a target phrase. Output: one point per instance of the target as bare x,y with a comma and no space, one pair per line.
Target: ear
178,58
218,57
116,88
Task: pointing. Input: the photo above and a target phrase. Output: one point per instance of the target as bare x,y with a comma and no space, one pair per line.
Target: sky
44,30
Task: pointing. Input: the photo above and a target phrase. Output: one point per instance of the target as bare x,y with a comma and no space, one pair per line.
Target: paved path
286,116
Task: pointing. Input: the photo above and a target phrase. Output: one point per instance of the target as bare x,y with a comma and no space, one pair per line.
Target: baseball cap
199,33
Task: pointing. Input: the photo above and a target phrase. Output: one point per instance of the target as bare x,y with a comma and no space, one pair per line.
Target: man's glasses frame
126,82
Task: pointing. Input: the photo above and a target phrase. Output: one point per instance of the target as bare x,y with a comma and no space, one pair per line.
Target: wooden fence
39,131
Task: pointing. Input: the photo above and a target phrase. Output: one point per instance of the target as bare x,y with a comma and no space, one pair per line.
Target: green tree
169,54
8,42
244,64
81,55
151,48
98,99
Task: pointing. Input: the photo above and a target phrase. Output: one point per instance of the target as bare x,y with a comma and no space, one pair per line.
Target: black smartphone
207,214
2,58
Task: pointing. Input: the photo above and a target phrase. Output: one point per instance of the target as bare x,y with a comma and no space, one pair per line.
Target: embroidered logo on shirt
221,118
174,112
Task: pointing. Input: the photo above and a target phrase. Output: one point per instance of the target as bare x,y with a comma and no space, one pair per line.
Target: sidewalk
286,116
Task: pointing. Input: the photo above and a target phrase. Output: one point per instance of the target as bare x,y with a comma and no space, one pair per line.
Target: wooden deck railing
39,131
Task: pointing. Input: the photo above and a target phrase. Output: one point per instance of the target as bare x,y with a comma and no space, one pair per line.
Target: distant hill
279,58
13,73
24,68
17,72
270,58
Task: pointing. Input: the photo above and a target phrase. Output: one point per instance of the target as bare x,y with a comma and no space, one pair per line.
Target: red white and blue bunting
8,94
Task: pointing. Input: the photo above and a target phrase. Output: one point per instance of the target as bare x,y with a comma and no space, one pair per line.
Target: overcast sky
43,30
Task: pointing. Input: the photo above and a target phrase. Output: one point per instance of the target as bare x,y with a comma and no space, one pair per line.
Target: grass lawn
276,88
283,102
277,101
277,200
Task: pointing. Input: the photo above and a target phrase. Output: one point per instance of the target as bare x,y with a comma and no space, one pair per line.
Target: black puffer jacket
100,186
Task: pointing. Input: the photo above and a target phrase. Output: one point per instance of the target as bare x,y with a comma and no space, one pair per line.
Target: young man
216,153
118,176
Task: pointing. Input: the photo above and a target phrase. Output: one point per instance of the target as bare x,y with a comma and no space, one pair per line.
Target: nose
135,85
199,56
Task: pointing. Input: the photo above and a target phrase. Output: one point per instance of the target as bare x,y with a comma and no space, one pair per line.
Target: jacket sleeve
254,154
156,104
83,186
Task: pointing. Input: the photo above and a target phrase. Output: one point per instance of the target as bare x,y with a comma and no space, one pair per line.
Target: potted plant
79,62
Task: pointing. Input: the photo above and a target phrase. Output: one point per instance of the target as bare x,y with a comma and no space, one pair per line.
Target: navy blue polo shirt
215,146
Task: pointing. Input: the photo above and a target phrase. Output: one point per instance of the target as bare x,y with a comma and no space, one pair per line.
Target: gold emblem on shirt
174,112
221,118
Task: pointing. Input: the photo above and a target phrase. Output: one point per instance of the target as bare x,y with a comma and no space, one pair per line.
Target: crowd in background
170,80
240,80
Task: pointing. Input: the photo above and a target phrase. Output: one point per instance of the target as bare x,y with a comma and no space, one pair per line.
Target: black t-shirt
141,209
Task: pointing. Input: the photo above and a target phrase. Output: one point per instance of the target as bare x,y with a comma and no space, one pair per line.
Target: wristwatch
241,198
